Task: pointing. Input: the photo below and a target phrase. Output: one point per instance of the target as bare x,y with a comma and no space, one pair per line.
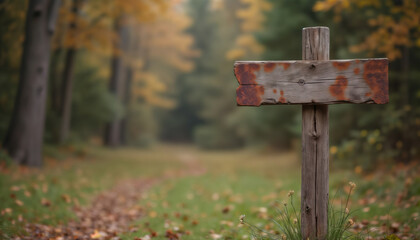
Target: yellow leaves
95,26
333,150
12,31
368,3
324,5
235,54
395,29
342,5
253,17
149,88
216,5
150,79
387,39
245,40
248,41
336,5
166,39
157,33
140,10
163,40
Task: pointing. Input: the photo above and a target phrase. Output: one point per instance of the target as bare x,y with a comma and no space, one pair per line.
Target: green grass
237,182
72,180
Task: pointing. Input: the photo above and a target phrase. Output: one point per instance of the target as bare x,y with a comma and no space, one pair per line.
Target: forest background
137,72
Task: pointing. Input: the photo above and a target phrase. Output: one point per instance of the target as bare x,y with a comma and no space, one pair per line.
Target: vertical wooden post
315,145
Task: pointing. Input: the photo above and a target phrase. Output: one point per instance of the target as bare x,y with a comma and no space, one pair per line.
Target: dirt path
112,212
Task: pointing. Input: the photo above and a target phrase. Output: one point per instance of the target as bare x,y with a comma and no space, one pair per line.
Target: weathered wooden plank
312,82
315,146
315,167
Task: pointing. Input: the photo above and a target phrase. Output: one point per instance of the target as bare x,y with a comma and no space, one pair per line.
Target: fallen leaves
66,198
205,209
172,235
18,202
110,214
45,202
98,235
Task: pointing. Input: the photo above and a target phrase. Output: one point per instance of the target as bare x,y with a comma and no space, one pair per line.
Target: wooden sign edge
268,66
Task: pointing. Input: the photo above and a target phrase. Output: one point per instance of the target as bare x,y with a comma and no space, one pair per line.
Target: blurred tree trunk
405,94
54,79
127,97
67,85
25,135
116,83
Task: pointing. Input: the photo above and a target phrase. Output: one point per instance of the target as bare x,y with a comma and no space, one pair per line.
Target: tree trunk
116,84
405,94
67,85
127,97
25,135
66,95
54,87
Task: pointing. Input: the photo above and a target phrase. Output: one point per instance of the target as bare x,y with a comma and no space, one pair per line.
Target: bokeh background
156,74
162,71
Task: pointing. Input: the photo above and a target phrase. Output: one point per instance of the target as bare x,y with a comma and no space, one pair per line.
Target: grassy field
206,200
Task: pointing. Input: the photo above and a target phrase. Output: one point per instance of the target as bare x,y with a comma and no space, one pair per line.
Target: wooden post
313,82
315,145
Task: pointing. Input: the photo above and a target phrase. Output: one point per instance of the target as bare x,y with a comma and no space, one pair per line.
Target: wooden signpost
313,82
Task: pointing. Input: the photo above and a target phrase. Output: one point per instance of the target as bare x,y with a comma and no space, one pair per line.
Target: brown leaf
45,202
226,209
66,198
18,202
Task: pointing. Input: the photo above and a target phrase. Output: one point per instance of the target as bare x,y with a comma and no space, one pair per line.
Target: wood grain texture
315,166
310,82
315,146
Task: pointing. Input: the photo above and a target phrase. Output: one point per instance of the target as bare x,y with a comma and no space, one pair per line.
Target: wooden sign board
312,82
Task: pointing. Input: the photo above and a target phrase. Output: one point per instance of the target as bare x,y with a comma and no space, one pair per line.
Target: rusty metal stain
249,95
282,99
356,71
285,65
245,73
341,65
375,74
269,67
338,88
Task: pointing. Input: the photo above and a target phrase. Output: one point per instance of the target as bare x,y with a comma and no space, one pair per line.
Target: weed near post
288,225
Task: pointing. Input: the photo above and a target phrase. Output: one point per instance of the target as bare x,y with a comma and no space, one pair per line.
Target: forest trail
112,212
